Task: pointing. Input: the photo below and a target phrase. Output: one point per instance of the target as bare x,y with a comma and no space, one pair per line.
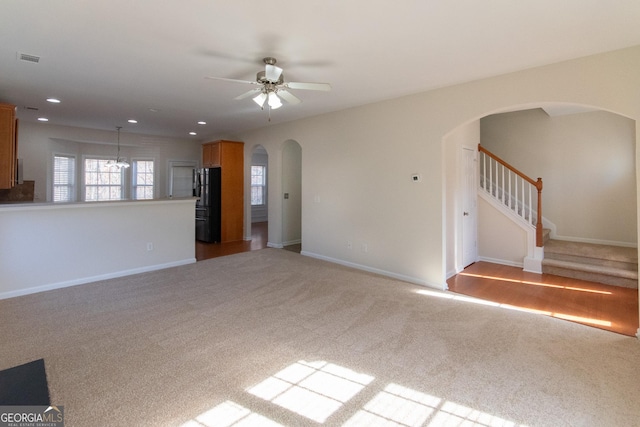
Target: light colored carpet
271,336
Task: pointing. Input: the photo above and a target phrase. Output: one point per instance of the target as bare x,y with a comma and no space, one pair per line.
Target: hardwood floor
607,307
612,308
211,250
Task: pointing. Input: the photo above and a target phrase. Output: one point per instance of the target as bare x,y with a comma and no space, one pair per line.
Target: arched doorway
569,150
586,158
292,196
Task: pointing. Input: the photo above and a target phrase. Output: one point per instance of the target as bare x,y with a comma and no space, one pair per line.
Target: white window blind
64,178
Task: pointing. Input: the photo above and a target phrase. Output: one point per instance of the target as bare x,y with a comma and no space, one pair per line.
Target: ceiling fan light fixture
274,101
260,99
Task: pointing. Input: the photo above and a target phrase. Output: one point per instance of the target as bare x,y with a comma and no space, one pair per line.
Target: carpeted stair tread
590,250
598,269
608,264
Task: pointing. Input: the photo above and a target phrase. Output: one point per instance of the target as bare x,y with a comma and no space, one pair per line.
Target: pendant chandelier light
118,162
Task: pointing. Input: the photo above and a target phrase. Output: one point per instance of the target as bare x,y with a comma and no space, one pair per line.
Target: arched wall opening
586,157
291,193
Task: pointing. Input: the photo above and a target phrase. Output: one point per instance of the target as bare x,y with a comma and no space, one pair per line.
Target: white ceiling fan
272,86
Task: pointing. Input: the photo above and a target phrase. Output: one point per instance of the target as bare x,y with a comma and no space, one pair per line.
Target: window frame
263,185
123,186
72,175
134,178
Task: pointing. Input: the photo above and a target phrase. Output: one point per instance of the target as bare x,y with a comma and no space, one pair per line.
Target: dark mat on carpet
24,385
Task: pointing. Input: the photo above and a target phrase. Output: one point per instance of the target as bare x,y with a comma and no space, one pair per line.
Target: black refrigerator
207,188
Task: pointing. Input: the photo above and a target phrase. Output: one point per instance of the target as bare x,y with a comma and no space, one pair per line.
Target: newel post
539,238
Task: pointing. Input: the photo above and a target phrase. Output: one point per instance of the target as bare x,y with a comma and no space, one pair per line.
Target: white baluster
530,206
502,168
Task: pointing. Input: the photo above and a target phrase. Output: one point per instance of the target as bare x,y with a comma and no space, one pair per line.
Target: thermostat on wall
416,177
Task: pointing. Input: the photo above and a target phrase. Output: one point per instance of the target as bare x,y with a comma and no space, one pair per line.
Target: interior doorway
469,208
181,178
292,196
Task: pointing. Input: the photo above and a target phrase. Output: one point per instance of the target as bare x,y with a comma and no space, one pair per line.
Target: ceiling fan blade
272,73
309,86
231,80
248,94
288,96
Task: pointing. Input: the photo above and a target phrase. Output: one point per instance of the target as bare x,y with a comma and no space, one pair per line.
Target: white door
468,207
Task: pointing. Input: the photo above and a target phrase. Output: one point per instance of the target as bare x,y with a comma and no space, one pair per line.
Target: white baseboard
414,280
501,262
85,280
275,245
292,242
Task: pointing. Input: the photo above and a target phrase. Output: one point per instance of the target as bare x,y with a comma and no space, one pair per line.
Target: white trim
90,279
397,276
275,245
292,242
124,177
501,262
51,173
176,163
134,172
638,334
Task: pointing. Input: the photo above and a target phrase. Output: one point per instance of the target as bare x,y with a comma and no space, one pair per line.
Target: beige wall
54,245
500,239
357,163
587,163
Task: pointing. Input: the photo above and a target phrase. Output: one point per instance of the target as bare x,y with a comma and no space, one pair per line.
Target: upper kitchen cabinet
8,146
219,153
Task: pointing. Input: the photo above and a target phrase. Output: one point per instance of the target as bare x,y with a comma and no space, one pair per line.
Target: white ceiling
109,61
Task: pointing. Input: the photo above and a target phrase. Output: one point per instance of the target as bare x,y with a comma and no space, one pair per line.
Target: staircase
521,196
611,265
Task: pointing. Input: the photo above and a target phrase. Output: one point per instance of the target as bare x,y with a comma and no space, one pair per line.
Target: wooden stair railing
502,181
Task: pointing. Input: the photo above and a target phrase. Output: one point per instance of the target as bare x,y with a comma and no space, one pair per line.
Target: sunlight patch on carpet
314,390
317,390
228,414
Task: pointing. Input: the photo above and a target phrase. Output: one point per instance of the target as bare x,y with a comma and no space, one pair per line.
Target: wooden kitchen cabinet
229,156
8,146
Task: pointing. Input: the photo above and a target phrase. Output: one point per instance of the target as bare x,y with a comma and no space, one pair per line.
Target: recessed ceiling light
132,121
43,119
53,100
192,133
202,122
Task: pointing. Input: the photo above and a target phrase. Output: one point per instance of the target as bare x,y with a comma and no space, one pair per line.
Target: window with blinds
102,182
142,179
258,183
64,178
